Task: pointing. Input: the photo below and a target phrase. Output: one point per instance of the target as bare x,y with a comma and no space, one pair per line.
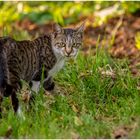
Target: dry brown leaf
120,133
107,73
8,132
124,131
74,109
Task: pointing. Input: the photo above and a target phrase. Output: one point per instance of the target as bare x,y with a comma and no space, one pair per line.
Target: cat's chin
70,57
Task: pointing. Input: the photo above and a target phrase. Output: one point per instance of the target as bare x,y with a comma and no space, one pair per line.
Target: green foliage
8,13
56,11
41,12
131,7
60,12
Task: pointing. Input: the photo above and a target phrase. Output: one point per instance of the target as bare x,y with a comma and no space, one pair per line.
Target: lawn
95,97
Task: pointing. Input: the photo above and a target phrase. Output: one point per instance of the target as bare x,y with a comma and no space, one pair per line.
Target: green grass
86,104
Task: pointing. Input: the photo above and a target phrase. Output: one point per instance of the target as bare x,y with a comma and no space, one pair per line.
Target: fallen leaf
77,121
124,131
74,109
8,132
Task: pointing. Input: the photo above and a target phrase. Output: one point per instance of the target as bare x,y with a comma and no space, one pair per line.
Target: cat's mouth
70,55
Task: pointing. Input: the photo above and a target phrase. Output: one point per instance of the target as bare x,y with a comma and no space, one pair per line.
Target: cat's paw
49,85
20,114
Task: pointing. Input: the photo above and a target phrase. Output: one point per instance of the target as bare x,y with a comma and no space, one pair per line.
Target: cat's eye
62,44
78,45
74,45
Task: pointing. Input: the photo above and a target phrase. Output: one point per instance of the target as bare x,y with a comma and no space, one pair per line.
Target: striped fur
25,59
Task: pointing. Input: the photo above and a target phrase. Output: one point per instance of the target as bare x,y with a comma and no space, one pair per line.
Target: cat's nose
68,51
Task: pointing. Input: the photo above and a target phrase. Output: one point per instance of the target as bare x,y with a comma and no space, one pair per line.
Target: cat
25,60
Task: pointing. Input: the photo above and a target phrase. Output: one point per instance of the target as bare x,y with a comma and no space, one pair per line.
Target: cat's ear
57,28
80,29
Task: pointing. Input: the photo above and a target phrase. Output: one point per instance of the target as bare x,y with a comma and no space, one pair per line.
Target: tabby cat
25,59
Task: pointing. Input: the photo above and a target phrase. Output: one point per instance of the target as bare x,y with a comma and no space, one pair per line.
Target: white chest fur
57,67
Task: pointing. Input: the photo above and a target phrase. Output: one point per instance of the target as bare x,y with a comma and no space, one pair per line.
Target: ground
95,97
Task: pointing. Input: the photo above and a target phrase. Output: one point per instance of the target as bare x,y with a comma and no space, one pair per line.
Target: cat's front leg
35,86
48,84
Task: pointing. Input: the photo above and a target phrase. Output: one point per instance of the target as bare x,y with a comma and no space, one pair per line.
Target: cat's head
67,41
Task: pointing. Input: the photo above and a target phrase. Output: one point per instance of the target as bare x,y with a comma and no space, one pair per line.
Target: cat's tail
3,65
